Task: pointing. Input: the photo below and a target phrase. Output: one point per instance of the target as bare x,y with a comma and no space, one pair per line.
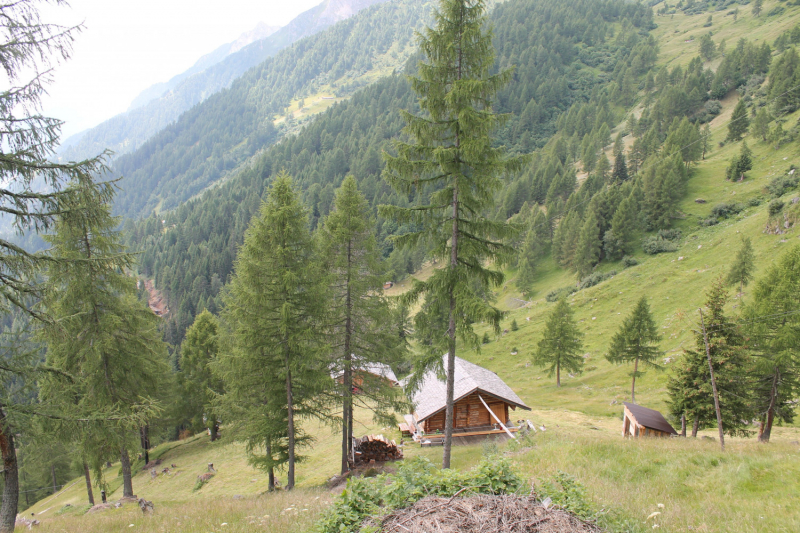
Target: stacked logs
374,448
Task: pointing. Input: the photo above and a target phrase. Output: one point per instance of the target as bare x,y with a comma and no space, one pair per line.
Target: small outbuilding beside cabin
638,421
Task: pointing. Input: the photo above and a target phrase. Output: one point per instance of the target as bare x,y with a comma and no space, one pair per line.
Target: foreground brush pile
496,513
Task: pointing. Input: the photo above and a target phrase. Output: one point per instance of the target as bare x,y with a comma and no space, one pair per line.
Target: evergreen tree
637,342
741,271
739,122
531,252
199,351
708,50
587,253
740,165
274,371
706,140
618,241
361,332
773,329
561,343
104,337
603,166
620,173
760,125
689,387
33,192
452,157
757,5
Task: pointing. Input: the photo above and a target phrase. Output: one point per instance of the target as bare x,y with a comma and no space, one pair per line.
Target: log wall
469,412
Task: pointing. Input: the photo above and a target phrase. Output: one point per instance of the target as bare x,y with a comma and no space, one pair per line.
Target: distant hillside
261,31
128,131
213,138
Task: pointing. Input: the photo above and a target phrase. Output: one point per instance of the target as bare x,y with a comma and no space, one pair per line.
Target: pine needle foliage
773,331
104,343
561,343
274,369
636,342
449,162
741,272
199,385
361,326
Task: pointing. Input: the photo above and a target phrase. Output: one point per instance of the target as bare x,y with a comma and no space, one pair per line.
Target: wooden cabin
640,421
368,371
483,403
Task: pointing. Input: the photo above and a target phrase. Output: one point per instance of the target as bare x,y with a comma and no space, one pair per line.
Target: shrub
753,202
486,339
780,185
202,480
557,294
656,245
670,234
713,107
629,261
597,277
723,211
709,222
514,326
775,207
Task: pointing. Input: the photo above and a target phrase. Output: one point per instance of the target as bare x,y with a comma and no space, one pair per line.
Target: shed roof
379,369
650,418
431,396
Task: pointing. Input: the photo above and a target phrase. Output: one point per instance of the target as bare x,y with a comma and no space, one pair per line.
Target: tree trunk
451,333
144,431
8,511
53,476
127,480
695,427
633,383
683,425
290,428
713,384
558,375
88,483
214,429
347,378
271,470
770,417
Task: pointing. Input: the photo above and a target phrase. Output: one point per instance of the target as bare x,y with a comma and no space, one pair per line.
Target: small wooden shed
640,421
482,402
367,371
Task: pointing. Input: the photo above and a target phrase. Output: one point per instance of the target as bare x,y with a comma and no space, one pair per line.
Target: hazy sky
127,46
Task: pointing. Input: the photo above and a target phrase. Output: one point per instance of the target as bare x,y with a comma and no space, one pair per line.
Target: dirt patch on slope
156,301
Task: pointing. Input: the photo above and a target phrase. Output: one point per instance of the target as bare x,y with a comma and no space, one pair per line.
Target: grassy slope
750,488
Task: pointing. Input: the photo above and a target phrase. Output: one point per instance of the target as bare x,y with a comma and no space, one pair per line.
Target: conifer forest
422,265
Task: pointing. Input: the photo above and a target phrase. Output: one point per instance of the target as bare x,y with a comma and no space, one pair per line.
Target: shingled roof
650,418
377,369
431,395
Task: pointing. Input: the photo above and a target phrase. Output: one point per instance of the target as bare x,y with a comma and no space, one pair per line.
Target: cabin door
499,410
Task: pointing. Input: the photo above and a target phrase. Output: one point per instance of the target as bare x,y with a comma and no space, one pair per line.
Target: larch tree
104,344
532,252
773,332
198,352
561,343
689,387
451,164
275,370
361,326
741,271
28,51
739,122
636,342
620,172
589,246
760,125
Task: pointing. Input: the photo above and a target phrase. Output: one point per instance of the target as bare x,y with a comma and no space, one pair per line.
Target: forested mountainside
213,138
580,53
128,131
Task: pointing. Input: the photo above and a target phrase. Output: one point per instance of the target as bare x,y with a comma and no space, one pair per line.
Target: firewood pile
374,448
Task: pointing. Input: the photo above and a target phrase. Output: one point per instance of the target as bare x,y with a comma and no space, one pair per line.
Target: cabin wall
469,412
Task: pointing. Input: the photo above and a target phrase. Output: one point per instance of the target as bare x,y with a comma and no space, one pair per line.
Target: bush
753,202
656,245
556,294
723,211
597,277
486,339
775,207
670,234
709,222
780,185
514,326
713,107
629,261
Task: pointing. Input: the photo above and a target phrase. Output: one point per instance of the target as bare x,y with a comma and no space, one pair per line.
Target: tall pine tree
739,122
636,342
451,156
199,351
741,271
360,318
561,343
276,368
